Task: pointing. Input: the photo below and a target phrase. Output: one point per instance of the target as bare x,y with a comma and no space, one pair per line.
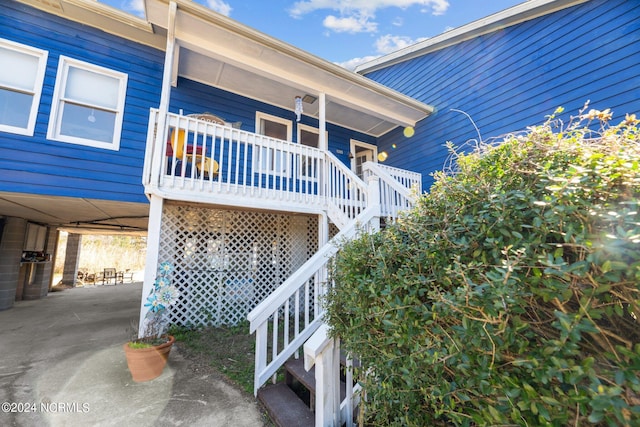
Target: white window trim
302,127
352,149
55,117
282,171
288,123
311,129
42,56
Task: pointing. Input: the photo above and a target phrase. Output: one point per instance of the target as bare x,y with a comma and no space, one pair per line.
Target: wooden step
284,407
295,376
294,370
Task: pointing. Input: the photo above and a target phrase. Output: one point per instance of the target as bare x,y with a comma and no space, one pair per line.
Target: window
271,160
308,136
88,105
20,86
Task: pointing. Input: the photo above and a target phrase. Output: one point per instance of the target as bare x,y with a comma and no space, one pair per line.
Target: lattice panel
226,262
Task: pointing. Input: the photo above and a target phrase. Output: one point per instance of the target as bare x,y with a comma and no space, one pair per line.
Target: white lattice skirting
228,261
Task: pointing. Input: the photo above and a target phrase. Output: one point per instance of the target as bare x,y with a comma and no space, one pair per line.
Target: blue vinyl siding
40,166
514,77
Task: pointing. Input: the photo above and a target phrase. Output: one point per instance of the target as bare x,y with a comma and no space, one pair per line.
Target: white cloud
350,24
357,15
219,6
299,8
438,7
390,43
353,63
397,21
136,7
384,45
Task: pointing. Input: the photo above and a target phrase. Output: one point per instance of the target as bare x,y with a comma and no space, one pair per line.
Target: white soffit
218,51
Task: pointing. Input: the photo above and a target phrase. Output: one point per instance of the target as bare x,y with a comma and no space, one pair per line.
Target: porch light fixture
298,107
309,99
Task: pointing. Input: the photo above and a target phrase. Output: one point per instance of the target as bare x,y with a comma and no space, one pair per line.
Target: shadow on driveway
62,364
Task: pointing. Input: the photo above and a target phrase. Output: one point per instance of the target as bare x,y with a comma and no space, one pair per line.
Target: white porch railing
347,194
195,160
399,188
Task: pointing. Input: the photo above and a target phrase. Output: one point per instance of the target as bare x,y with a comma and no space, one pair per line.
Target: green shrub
509,295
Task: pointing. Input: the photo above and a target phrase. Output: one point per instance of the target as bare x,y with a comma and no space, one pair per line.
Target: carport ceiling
76,215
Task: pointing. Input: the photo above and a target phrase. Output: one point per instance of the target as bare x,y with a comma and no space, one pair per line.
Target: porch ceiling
76,215
218,51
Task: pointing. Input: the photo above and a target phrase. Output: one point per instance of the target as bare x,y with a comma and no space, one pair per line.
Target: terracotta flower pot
148,363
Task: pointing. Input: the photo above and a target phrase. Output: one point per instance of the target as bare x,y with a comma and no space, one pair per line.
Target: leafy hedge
509,295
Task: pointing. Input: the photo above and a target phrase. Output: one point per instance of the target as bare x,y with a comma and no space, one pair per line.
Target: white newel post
373,193
324,352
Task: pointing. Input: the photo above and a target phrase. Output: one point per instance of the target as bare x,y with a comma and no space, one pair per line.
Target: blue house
73,113
240,157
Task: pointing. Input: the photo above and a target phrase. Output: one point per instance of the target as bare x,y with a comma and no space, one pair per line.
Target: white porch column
169,55
322,125
165,94
153,246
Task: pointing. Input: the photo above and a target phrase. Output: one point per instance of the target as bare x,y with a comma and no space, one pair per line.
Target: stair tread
307,378
284,407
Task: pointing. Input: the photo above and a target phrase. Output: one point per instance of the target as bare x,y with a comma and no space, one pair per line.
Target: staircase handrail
270,307
261,312
380,171
346,192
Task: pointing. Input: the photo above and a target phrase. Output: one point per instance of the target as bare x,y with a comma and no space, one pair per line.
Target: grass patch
230,350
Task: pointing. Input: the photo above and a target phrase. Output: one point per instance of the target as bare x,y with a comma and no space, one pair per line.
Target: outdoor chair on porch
176,145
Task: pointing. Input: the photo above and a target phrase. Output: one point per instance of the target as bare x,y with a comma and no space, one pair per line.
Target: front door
361,153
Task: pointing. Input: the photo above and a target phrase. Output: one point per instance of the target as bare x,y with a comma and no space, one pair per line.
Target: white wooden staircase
290,320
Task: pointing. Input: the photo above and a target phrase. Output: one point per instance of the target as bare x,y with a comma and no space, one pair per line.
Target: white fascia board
523,12
99,15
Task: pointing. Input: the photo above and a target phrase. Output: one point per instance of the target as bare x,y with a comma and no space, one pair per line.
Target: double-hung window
88,105
269,158
21,78
309,164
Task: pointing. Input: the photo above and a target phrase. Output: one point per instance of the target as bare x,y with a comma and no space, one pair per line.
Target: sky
347,32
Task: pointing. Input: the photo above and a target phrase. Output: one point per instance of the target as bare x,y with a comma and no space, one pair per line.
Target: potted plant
147,355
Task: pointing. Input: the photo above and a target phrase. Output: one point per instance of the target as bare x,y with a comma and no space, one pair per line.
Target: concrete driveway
62,364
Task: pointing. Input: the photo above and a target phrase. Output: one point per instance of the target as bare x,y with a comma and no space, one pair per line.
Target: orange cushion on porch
179,145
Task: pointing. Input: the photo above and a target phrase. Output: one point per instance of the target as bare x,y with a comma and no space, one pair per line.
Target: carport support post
153,247
71,259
